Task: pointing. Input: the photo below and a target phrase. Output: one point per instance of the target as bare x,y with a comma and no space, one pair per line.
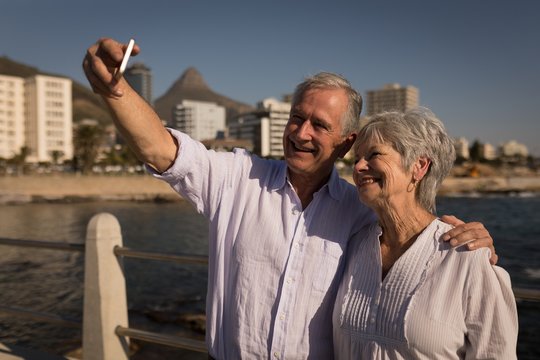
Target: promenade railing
106,332
105,329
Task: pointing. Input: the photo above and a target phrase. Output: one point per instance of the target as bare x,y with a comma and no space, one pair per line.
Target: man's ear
347,144
421,167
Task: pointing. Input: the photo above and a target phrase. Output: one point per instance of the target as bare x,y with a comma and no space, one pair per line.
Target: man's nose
304,131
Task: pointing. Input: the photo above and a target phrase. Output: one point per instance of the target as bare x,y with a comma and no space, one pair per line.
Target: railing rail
39,316
151,255
51,245
110,234
519,293
163,339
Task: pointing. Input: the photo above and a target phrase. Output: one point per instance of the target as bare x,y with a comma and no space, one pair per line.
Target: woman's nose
360,165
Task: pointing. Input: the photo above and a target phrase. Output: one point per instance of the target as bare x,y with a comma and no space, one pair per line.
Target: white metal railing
106,332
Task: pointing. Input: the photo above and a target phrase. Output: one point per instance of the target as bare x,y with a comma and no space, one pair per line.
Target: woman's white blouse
436,302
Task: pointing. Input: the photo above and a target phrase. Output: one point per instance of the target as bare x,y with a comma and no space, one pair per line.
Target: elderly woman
405,293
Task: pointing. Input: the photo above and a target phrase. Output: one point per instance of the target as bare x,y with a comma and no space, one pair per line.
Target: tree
476,151
56,155
87,141
20,159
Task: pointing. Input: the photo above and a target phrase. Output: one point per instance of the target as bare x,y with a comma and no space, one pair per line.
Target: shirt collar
334,185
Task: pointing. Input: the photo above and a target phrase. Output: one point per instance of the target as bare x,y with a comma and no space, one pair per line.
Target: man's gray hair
413,134
327,80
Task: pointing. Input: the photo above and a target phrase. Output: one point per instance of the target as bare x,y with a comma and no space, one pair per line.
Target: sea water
159,292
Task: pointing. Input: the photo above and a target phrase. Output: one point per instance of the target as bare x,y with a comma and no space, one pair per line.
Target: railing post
105,304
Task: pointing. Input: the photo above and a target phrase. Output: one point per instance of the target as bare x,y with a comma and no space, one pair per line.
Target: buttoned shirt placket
292,270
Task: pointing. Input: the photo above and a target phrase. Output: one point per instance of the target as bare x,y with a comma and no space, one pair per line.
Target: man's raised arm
136,121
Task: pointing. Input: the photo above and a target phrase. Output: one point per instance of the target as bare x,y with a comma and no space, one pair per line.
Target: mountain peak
191,86
192,78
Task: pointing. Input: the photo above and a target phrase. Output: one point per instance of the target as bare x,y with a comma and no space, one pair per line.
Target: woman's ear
421,167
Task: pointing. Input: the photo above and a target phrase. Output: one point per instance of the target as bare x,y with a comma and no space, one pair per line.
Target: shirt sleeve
491,313
198,174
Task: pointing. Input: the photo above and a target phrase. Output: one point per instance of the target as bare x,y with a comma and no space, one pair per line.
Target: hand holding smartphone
120,71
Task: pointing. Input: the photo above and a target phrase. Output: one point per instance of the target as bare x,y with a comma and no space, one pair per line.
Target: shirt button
295,212
276,355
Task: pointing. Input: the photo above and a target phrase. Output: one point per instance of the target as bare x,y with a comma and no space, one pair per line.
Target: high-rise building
392,97
462,148
488,151
139,76
513,148
199,119
263,127
48,124
11,116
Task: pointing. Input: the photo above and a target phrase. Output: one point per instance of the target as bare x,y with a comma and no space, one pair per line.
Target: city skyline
474,63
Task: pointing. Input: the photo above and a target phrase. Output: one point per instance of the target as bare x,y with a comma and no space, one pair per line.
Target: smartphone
120,71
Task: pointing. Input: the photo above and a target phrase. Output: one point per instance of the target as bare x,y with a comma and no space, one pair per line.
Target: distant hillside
191,86
86,104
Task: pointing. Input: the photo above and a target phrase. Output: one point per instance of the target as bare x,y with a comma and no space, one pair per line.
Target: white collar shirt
273,267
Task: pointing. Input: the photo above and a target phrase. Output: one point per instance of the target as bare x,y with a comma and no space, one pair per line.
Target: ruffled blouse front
435,302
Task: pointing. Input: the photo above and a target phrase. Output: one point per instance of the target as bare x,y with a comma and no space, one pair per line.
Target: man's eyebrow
321,121
297,110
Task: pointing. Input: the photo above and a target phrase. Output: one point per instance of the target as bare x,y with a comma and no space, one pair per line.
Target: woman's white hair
413,134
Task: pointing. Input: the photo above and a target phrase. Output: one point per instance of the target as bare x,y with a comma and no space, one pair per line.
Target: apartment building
488,151
139,76
263,127
11,116
392,97
199,119
513,148
462,148
48,124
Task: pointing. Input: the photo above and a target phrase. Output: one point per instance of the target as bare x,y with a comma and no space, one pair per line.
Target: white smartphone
120,71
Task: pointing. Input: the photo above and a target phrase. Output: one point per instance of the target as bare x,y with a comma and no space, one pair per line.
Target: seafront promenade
77,188
74,188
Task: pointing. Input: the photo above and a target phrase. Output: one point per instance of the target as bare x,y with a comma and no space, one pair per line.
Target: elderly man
278,229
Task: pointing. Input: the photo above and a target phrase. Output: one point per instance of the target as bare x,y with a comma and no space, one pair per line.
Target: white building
462,148
11,116
139,76
263,127
513,148
488,152
199,119
48,125
392,97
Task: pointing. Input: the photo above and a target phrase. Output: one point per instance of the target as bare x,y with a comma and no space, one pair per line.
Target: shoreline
73,188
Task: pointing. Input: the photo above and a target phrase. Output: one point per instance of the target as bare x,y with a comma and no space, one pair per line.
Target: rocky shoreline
145,188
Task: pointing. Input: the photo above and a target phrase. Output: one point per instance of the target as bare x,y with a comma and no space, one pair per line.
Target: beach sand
34,188
74,188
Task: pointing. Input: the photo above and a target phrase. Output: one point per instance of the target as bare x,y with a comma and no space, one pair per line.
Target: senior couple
300,268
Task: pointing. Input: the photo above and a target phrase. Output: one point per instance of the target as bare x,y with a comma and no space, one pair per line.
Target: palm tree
87,141
20,159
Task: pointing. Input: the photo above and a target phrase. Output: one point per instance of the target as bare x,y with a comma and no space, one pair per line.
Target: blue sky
476,63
